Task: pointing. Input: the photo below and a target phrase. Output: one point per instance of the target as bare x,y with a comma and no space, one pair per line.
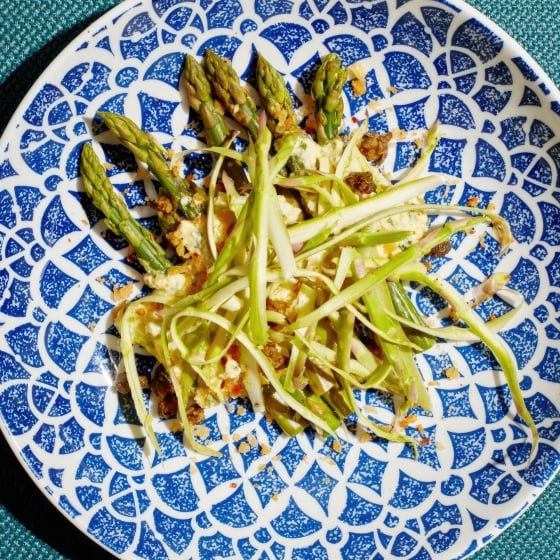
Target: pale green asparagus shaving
340,218
411,254
263,363
455,333
464,312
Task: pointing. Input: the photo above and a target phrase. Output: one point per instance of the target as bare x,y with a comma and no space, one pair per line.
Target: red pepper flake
236,390
235,353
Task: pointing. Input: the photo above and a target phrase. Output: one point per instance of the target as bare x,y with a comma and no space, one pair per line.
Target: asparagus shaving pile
281,279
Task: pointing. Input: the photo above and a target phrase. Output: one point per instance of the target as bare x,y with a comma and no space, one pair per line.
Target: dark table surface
31,35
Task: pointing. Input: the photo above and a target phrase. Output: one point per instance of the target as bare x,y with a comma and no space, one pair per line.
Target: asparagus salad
283,278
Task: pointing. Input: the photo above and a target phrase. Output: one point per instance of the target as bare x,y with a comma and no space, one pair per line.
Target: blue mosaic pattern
280,498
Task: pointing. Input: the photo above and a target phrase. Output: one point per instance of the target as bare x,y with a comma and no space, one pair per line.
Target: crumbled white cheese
291,209
168,282
190,236
232,369
311,155
153,329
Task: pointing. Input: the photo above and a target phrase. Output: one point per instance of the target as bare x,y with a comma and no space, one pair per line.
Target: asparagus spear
117,216
200,97
149,151
227,87
276,99
326,91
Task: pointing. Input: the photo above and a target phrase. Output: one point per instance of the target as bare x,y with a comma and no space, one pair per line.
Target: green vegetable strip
126,326
285,417
421,165
339,360
251,379
416,272
376,377
277,230
267,225
343,267
340,218
377,301
308,180
352,152
149,151
265,366
182,384
454,333
117,215
227,87
259,261
298,357
325,282
383,432
326,91
353,234
182,389
223,341
236,243
210,214
405,308
363,285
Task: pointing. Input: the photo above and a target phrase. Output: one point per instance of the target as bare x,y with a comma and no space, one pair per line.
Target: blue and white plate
269,496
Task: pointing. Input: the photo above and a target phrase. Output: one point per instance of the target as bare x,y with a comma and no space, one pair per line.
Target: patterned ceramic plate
268,496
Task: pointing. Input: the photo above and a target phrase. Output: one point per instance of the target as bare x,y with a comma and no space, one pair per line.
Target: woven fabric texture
31,35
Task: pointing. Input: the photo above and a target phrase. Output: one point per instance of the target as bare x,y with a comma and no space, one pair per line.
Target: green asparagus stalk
117,216
326,91
200,98
149,151
228,89
406,309
275,98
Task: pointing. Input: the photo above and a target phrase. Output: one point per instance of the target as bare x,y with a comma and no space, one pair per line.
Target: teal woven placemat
31,34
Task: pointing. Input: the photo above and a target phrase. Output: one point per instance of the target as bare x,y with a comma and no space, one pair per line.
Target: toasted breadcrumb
201,431
244,447
143,173
451,373
357,73
122,293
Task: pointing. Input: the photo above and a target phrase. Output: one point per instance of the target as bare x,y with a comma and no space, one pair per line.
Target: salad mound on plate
281,278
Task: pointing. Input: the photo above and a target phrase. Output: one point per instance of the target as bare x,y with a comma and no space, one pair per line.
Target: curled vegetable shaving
282,280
